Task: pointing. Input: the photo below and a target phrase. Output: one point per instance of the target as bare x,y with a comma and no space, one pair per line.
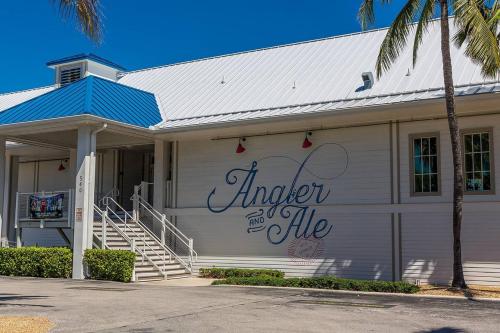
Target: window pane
418,183
468,143
425,146
433,146
476,142
434,163
418,165
468,162
477,162
426,164
478,181
486,181
426,186
469,181
416,148
486,161
434,183
485,141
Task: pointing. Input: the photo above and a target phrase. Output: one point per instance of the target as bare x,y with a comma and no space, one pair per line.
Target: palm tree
87,14
479,34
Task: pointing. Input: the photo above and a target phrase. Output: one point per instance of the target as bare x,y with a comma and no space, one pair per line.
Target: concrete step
138,242
141,276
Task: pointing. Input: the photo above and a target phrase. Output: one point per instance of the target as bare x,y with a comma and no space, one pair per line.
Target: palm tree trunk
456,146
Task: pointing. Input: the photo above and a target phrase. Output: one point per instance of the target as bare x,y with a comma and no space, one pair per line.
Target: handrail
140,201
145,230
113,193
106,202
126,238
167,224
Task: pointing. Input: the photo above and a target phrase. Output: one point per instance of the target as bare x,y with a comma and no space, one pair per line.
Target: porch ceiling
67,139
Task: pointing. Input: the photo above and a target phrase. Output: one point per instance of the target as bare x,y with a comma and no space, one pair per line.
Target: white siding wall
427,236
359,207
359,244
43,176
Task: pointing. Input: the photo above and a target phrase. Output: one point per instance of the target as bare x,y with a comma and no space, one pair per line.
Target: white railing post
163,228
132,247
190,242
104,227
135,205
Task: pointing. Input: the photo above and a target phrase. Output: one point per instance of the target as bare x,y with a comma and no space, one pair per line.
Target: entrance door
132,172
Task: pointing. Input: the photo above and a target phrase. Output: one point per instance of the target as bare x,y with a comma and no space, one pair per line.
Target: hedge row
324,282
55,262
222,273
112,265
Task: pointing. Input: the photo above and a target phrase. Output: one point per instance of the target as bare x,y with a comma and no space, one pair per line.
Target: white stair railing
125,221
182,244
106,220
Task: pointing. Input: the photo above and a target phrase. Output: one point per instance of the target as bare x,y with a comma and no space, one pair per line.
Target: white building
367,195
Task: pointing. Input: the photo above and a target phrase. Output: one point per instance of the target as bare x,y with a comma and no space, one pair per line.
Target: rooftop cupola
73,68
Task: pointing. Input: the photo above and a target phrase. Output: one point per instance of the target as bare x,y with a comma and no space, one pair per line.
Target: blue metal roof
89,96
85,56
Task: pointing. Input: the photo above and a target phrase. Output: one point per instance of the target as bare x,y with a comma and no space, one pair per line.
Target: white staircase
155,260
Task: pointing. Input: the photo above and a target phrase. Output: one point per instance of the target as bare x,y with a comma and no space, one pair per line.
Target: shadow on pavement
444,330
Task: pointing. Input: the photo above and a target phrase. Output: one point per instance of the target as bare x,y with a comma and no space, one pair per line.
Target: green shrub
222,273
48,262
324,282
112,265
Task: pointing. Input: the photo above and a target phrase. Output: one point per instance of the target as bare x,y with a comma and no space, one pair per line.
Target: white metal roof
302,78
243,85
315,108
10,99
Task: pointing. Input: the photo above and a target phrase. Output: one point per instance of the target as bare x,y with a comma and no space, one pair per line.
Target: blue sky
139,34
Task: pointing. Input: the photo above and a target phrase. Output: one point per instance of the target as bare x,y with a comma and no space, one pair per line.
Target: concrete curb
368,293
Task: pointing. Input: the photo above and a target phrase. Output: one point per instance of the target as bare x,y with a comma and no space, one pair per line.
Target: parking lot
91,306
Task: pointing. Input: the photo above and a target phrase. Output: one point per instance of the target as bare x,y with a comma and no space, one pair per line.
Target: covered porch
84,141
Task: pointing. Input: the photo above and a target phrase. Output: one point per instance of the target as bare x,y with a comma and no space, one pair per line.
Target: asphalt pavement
92,306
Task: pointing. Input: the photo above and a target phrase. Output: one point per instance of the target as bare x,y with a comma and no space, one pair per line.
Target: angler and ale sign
291,202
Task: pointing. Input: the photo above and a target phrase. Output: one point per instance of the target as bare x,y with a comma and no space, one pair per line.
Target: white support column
3,186
13,188
84,198
160,174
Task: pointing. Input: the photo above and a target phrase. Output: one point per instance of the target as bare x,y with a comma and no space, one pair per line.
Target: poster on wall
46,206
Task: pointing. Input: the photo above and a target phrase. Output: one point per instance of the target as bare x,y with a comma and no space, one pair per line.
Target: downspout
93,144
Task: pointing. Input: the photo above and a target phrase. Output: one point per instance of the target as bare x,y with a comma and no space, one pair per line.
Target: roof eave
323,112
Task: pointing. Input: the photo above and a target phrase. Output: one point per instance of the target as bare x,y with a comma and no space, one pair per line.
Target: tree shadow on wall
352,268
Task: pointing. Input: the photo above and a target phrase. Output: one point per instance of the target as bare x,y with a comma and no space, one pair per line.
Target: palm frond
396,37
426,16
366,12
478,34
87,14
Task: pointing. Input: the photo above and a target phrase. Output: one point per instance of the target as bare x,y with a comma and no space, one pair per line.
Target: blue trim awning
85,56
89,96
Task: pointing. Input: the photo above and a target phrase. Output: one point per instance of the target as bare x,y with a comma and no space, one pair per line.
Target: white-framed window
425,163
478,161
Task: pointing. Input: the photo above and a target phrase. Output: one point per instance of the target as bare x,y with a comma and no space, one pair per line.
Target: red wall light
240,149
307,143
